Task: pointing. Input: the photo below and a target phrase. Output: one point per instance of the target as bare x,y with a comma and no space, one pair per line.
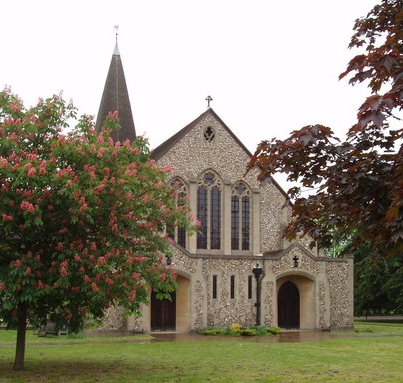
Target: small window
209,134
232,292
214,286
250,279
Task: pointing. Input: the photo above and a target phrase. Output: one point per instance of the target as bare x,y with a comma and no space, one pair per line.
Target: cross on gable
208,99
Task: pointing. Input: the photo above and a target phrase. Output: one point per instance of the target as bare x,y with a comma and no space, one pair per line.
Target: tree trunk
21,332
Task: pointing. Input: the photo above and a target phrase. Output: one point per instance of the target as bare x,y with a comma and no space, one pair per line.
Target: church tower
116,98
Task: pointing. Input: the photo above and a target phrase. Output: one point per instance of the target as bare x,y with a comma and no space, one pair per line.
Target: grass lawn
372,354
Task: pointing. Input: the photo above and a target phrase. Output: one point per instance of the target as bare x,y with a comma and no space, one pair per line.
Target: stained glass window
240,217
174,231
209,203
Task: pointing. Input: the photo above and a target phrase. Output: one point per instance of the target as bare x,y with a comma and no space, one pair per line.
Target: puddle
283,337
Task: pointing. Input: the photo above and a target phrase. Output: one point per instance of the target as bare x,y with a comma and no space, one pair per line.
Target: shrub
260,330
236,327
215,330
248,331
274,330
237,330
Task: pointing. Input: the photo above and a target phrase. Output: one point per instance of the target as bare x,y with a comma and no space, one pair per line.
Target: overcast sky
271,67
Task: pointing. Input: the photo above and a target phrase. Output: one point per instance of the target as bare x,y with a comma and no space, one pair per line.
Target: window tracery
209,134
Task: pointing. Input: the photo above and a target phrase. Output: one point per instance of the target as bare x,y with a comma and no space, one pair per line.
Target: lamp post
258,271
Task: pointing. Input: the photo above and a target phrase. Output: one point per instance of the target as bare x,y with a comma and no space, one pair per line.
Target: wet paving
283,337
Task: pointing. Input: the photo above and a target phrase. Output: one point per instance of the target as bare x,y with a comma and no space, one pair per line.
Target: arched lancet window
178,234
209,211
240,217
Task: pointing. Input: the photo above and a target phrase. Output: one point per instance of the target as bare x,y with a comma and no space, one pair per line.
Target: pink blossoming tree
82,219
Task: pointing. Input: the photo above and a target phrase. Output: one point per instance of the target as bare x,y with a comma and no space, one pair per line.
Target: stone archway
288,306
288,285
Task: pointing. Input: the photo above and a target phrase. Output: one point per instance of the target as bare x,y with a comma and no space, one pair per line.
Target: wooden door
163,313
288,306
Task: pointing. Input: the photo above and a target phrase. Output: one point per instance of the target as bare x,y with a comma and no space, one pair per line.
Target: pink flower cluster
7,217
27,206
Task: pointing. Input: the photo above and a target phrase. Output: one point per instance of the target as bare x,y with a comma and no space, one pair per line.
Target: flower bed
237,330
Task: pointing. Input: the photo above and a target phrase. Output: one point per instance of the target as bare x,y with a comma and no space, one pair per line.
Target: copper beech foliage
82,218
357,183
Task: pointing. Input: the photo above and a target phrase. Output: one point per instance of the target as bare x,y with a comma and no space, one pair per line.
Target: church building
238,268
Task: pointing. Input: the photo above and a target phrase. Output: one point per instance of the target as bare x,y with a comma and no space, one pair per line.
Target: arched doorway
163,313
288,306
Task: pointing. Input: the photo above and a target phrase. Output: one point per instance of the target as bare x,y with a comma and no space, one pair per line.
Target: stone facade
243,223
217,285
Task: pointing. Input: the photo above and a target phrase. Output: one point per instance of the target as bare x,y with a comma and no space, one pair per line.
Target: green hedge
237,330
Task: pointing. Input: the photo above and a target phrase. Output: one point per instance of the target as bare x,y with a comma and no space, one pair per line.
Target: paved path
285,336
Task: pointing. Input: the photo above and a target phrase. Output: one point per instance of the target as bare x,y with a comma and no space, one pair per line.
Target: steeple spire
116,50
116,98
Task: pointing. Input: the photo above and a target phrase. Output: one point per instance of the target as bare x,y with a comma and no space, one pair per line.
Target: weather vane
208,99
116,29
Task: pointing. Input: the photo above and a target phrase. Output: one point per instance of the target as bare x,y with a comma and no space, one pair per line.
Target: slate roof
116,98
